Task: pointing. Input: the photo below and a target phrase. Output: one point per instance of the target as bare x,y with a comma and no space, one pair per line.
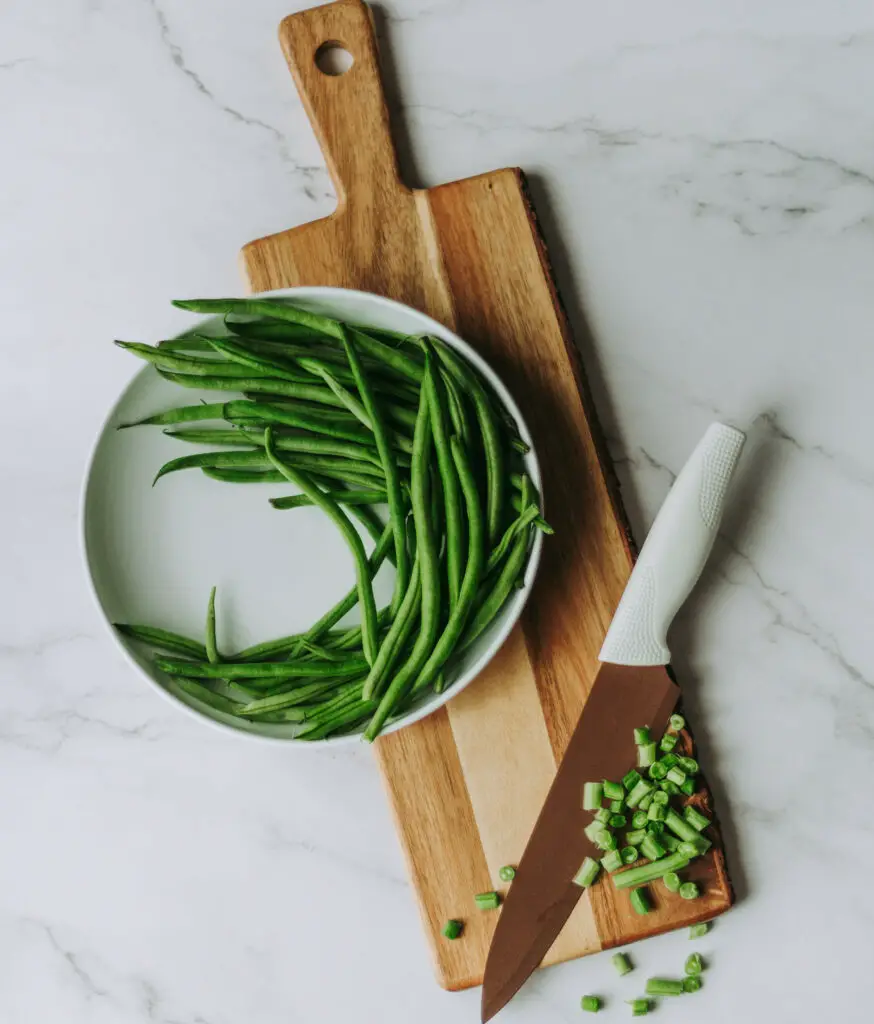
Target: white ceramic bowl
153,554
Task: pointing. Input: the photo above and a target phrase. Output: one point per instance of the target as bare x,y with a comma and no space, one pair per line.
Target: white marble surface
706,178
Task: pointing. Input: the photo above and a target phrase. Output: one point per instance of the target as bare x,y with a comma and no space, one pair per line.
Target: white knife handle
675,552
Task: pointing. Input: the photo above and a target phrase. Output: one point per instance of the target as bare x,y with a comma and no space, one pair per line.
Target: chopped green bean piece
629,854
689,765
611,861
651,848
668,742
697,931
637,794
656,811
640,901
639,819
696,819
656,828
677,722
613,790
605,840
487,901
639,1007
602,815
618,821
664,987
695,847
657,771
649,872
507,873
692,983
671,881
631,780
452,929
669,842
646,755
622,964
591,1004
688,787
669,760
679,826
593,793
641,736
617,806
588,873
647,800
694,964
635,838
592,830
689,891
661,797
671,788
676,775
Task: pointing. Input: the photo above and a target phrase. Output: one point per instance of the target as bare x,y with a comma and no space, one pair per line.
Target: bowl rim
427,707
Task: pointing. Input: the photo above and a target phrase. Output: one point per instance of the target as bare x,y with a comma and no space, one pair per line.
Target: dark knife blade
543,894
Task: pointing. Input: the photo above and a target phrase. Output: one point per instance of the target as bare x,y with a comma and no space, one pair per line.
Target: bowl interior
154,553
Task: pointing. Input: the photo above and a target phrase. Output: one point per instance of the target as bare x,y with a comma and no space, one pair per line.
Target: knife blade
633,687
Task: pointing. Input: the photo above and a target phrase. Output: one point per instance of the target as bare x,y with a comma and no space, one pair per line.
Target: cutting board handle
348,111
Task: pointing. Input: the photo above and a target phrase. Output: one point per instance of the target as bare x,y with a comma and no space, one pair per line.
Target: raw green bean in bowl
314,516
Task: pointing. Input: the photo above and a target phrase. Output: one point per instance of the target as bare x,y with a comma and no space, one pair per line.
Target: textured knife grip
675,552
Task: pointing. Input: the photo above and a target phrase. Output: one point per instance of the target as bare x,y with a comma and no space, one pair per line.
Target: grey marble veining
705,176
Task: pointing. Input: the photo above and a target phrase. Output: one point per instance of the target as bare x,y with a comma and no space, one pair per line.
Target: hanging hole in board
333,59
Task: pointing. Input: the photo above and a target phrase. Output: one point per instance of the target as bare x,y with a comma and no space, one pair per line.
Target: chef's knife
632,688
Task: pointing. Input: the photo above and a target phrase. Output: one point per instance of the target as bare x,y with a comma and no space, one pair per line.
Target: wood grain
466,784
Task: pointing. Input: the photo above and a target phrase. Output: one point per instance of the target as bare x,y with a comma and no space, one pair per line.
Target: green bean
472,572
183,414
321,653
500,550
457,410
186,343
211,435
350,450
346,497
350,535
499,592
314,410
389,461
469,382
265,412
276,330
335,472
211,644
345,718
256,385
163,639
278,701
398,634
242,476
518,504
207,696
454,523
182,364
255,670
429,569
258,459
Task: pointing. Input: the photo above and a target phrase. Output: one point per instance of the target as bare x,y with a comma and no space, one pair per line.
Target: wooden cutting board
466,784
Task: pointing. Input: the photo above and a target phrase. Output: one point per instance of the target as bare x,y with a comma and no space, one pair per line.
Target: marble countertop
706,181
